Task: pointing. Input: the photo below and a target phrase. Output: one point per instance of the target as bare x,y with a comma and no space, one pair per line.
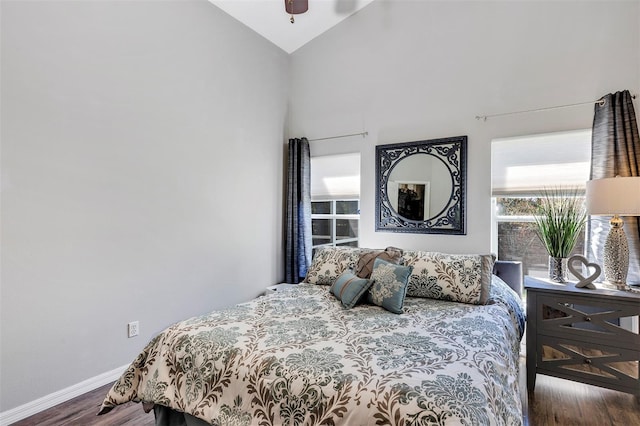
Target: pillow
349,288
389,285
367,257
329,262
464,278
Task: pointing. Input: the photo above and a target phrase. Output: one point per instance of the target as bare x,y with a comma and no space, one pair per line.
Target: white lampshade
614,196
619,196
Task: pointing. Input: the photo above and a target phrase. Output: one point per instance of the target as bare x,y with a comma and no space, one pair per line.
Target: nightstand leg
531,374
531,333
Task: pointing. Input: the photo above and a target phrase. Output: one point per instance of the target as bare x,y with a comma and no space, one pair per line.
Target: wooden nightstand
573,333
276,287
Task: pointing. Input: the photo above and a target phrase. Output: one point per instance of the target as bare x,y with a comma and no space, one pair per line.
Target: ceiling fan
294,7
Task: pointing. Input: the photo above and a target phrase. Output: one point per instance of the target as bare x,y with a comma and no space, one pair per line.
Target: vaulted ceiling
269,18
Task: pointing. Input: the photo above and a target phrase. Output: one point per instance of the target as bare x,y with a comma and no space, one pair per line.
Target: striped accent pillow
349,288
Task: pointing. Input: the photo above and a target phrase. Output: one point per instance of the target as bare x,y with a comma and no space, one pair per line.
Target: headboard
511,273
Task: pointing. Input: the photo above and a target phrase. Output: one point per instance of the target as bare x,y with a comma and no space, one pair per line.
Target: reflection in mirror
409,199
421,177
421,186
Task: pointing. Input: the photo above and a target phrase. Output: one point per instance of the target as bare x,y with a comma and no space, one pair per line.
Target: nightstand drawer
581,318
589,362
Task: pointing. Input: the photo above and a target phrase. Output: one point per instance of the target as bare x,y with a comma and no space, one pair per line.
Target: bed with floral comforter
297,357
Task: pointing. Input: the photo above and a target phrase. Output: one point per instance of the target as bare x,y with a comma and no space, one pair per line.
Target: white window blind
335,177
523,166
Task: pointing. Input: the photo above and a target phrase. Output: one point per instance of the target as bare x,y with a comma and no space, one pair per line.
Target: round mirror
419,187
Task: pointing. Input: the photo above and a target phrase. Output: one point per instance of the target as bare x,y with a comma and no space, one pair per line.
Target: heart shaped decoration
584,281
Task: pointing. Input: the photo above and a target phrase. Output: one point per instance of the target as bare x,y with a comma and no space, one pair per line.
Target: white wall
142,175
410,70
134,135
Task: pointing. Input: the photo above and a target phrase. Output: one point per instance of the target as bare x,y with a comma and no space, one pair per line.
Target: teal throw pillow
389,285
349,287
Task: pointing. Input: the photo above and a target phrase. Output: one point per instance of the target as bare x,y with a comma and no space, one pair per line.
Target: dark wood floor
555,402
566,403
83,410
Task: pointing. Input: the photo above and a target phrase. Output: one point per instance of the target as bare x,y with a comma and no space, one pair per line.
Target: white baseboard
53,399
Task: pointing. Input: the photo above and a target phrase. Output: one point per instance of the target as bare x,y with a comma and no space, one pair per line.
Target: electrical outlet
133,329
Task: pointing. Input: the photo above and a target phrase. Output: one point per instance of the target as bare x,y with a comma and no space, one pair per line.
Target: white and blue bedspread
297,357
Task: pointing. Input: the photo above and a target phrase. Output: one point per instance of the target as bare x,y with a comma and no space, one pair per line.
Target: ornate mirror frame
451,218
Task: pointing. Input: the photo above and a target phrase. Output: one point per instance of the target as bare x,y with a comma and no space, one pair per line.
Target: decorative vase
558,269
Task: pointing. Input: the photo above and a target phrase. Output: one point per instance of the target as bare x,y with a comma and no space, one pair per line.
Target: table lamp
618,196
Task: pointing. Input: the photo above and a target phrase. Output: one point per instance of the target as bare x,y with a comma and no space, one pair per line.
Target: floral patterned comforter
297,357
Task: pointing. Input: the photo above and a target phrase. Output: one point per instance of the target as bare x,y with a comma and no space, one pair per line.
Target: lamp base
616,286
623,287
616,254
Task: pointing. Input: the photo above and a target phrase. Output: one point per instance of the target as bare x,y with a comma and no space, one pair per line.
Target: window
335,222
521,168
335,200
516,235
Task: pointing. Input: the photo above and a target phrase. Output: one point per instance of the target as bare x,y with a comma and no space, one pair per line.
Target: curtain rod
597,101
363,134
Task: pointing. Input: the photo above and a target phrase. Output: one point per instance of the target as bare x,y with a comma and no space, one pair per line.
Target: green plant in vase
560,220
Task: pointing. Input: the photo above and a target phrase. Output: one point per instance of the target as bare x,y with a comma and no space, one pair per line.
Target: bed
300,357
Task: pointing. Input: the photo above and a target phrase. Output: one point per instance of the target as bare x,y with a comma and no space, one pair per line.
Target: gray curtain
298,217
615,151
